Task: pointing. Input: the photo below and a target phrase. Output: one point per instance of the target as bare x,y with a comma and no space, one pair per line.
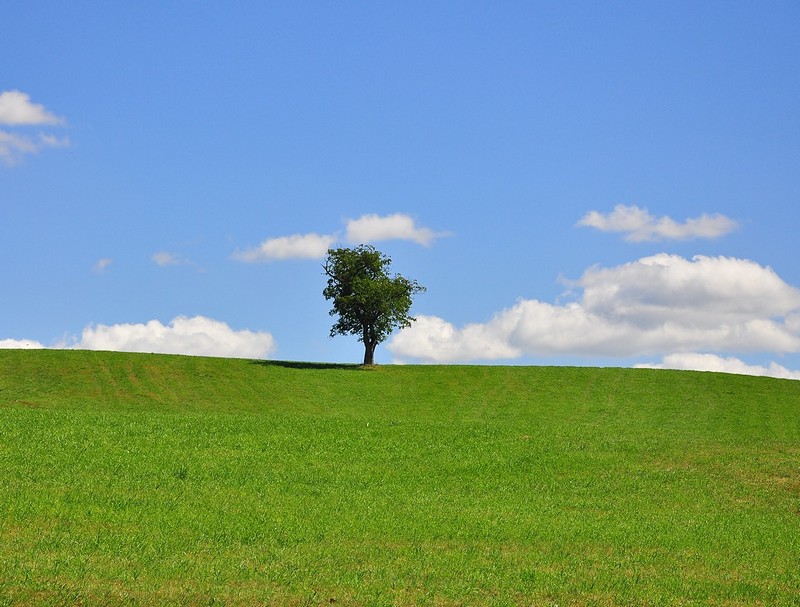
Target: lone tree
369,302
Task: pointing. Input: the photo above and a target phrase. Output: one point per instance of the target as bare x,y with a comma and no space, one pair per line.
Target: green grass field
129,479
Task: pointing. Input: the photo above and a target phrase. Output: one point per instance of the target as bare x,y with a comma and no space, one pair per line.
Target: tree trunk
369,353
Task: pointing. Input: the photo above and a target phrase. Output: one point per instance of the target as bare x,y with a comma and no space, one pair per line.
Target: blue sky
584,183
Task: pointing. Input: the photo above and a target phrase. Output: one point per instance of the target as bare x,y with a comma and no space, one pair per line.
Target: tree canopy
368,301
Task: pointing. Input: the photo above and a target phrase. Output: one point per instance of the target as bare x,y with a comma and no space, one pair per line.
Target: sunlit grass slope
129,479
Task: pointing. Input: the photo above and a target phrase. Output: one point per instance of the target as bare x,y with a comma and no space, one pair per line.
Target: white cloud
20,344
297,246
373,228
656,305
433,339
711,362
198,336
639,225
165,258
51,141
366,229
16,109
14,146
162,258
101,265
699,291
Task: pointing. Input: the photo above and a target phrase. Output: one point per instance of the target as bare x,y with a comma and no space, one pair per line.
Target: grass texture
131,479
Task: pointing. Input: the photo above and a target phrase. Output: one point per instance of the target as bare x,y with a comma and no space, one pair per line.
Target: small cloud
297,246
165,258
51,141
199,336
162,258
20,344
14,146
16,109
373,228
101,265
691,361
638,225
365,229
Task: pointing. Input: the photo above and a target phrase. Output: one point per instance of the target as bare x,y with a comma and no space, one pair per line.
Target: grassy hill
130,479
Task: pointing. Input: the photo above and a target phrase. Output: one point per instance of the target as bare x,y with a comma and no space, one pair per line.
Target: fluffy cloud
298,246
702,291
162,258
638,225
365,229
435,340
656,305
373,228
17,110
198,335
19,344
711,362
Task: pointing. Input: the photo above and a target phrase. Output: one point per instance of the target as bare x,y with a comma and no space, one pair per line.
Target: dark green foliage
368,302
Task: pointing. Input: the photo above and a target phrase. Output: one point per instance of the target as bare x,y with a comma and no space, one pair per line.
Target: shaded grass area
139,479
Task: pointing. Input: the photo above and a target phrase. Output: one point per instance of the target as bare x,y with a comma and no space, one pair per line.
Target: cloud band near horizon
196,336
659,305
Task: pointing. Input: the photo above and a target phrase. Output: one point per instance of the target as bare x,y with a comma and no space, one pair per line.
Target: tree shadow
291,364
